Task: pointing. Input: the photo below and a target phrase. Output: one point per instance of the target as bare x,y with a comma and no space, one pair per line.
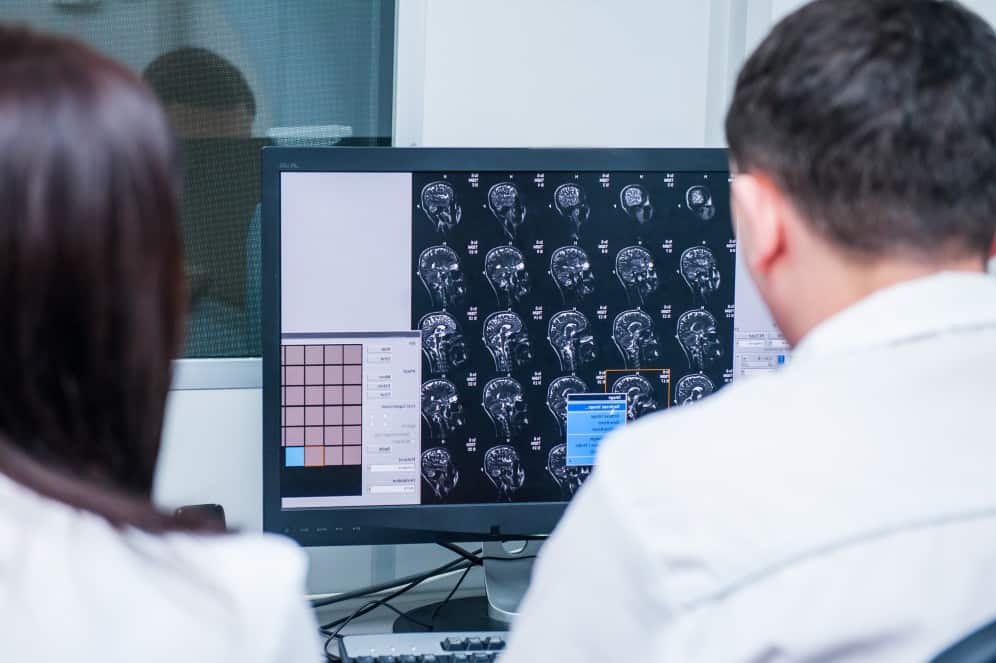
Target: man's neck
852,281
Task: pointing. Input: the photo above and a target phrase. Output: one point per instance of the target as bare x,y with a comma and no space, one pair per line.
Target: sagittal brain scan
693,388
635,337
640,397
569,334
440,273
699,271
439,203
439,471
441,408
503,467
698,334
635,200
505,268
567,478
572,204
506,203
699,200
556,397
635,270
530,286
442,343
505,402
506,339
571,271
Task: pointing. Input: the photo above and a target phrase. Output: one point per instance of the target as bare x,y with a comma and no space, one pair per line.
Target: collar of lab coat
944,303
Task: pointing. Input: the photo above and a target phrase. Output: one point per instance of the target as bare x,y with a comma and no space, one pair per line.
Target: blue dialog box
590,417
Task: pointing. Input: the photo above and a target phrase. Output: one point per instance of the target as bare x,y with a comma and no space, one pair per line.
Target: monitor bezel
415,523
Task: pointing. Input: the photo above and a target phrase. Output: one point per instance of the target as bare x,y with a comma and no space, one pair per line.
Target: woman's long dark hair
92,297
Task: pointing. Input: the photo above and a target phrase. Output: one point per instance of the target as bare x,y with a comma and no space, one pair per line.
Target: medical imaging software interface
468,337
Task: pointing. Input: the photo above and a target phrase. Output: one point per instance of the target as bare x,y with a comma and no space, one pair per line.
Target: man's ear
759,213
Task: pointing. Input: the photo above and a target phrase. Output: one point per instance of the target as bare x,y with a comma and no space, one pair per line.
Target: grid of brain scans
321,408
528,287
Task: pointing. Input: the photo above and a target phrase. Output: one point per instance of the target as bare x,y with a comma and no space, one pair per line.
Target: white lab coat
74,589
843,509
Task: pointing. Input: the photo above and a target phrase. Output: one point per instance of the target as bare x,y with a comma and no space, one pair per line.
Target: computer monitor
435,321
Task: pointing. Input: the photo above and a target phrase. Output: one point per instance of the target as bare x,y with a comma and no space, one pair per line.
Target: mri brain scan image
698,334
571,271
635,201
699,200
569,478
505,402
570,337
635,270
700,272
639,392
692,388
439,471
530,286
503,467
506,203
440,273
439,202
633,334
442,342
441,408
556,397
505,269
571,203
506,339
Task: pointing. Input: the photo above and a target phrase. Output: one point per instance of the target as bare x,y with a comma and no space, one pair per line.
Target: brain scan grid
529,287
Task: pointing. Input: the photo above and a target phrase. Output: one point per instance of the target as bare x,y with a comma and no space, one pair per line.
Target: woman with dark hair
92,304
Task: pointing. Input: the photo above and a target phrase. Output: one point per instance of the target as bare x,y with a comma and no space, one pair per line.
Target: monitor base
507,570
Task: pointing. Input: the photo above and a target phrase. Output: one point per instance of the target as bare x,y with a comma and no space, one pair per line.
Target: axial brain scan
699,271
693,388
571,271
505,269
439,271
441,408
639,392
572,204
504,401
699,199
635,201
439,202
569,336
635,270
506,339
568,478
442,342
698,334
556,397
506,203
439,471
503,467
634,336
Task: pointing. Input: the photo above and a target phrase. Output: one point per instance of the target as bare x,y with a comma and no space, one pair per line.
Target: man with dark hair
843,508
205,95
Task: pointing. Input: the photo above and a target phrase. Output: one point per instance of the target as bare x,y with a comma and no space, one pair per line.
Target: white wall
553,73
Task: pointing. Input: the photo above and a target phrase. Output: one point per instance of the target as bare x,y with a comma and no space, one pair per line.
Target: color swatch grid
321,404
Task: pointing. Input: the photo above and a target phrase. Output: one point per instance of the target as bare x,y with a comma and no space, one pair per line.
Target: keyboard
435,647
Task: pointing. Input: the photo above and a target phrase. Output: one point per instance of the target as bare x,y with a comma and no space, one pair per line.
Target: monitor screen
443,319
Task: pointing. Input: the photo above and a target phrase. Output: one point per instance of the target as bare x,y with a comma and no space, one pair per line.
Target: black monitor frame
415,523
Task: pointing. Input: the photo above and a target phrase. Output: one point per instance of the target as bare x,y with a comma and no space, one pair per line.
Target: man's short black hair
200,78
878,119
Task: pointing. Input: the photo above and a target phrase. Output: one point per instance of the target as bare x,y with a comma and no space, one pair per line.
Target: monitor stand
506,578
